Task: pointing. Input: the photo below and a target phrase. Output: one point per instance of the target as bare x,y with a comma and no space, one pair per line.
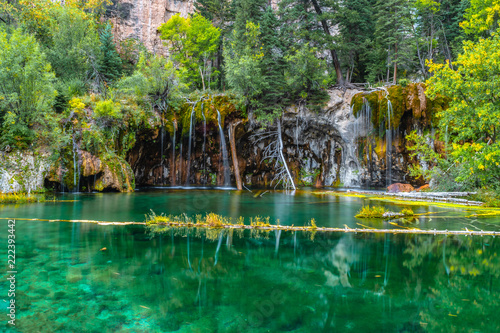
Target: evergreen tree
393,34
110,64
356,29
273,67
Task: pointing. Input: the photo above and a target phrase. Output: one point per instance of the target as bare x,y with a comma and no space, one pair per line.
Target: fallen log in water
437,196
270,227
346,229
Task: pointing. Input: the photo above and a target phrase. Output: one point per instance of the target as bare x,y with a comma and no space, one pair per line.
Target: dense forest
64,78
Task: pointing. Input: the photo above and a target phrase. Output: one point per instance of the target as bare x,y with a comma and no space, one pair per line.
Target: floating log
270,227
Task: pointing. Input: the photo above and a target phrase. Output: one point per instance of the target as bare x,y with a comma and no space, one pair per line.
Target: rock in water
399,187
423,188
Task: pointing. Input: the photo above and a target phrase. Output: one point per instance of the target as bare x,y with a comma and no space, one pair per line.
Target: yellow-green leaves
472,120
481,16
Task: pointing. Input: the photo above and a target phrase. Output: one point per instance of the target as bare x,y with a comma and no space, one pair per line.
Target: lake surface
82,277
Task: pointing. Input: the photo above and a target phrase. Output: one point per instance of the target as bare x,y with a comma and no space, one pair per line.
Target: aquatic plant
371,212
407,212
21,198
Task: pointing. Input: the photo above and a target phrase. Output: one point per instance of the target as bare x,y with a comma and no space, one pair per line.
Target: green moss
357,103
397,96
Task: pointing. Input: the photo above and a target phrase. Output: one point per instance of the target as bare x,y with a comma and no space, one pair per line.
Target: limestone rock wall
22,172
140,19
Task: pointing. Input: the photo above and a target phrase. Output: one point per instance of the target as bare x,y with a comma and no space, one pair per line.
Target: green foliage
107,109
471,122
156,83
371,212
481,18
73,42
110,63
26,88
17,198
193,42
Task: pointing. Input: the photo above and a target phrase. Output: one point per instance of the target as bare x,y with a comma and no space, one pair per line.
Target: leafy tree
156,82
243,64
26,88
472,121
481,18
437,31
193,42
74,39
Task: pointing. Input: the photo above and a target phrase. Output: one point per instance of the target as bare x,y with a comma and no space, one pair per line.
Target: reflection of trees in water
465,293
345,282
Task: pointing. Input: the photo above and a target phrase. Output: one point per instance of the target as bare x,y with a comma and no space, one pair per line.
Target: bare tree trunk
280,151
234,155
335,59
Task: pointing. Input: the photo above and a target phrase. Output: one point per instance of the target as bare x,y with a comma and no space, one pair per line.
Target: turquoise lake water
82,277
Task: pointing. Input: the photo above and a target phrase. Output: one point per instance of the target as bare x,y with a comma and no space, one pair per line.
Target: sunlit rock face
22,172
140,19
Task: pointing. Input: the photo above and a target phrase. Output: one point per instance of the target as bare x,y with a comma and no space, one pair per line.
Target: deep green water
238,283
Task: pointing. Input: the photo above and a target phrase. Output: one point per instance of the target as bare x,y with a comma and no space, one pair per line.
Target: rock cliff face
22,172
140,19
326,148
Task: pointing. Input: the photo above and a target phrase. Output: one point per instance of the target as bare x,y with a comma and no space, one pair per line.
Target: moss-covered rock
410,98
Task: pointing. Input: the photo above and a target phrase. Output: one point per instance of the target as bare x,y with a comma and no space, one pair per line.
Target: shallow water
81,277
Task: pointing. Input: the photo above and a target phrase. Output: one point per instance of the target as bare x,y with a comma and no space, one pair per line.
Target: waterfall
297,134
227,175
362,126
76,167
188,168
161,152
180,161
204,143
173,155
388,139
62,179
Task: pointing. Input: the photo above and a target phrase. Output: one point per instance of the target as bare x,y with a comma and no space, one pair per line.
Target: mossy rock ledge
98,173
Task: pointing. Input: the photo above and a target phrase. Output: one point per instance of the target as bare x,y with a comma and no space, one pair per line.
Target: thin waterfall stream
225,158
191,137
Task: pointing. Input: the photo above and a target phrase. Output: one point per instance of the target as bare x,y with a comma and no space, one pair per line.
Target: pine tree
356,29
110,64
393,34
273,66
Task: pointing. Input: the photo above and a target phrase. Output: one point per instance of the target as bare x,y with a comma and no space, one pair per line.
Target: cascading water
161,152
180,161
204,144
191,137
76,167
225,159
388,139
297,135
362,127
174,176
